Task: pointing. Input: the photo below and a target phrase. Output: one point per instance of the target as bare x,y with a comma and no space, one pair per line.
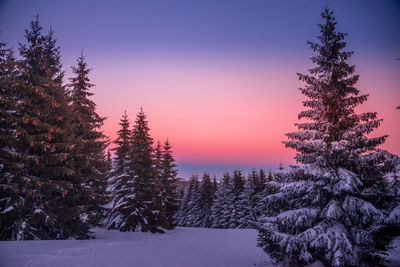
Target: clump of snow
10,208
394,217
83,217
37,210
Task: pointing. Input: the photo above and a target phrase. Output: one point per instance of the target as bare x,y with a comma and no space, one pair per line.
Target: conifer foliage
142,211
46,140
168,179
238,186
333,207
120,184
221,209
55,178
122,150
143,181
52,150
251,198
11,183
184,216
234,202
90,143
202,208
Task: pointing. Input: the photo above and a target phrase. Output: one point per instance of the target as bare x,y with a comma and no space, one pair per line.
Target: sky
217,78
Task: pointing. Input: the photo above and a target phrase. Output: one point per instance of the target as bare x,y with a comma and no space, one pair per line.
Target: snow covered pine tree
88,152
185,215
139,205
238,183
333,207
167,184
46,140
202,209
12,191
221,208
250,198
120,184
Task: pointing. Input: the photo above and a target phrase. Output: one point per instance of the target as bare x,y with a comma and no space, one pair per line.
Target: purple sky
218,78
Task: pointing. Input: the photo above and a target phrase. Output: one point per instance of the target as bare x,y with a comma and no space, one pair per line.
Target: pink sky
218,78
228,110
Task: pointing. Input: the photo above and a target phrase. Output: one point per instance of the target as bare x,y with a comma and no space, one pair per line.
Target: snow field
182,247
197,247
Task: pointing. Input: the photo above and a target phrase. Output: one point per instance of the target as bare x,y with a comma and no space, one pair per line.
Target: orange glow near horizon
218,78
227,112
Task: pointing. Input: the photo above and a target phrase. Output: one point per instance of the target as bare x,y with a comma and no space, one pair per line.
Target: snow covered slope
181,247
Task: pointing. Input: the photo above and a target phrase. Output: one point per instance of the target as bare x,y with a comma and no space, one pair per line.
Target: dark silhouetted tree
221,209
185,215
169,197
120,183
12,187
46,140
89,149
202,208
333,207
142,210
238,183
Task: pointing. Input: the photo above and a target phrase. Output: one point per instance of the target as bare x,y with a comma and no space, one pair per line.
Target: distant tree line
233,202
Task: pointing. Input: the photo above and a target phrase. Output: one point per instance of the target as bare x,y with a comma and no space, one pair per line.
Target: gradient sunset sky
218,78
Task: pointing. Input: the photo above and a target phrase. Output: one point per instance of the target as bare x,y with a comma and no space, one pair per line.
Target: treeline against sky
233,202
54,169
340,205
52,150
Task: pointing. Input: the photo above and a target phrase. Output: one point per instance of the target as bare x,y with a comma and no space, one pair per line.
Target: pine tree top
80,84
332,133
141,128
123,143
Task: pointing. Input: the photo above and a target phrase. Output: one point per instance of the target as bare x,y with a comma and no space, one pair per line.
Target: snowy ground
181,247
195,247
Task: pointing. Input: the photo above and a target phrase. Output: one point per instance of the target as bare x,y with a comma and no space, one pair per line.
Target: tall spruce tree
169,196
123,146
238,184
45,138
120,183
159,197
142,210
245,209
333,207
12,188
221,208
89,149
181,216
190,202
202,209
250,199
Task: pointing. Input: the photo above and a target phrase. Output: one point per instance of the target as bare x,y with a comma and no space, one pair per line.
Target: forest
59,178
